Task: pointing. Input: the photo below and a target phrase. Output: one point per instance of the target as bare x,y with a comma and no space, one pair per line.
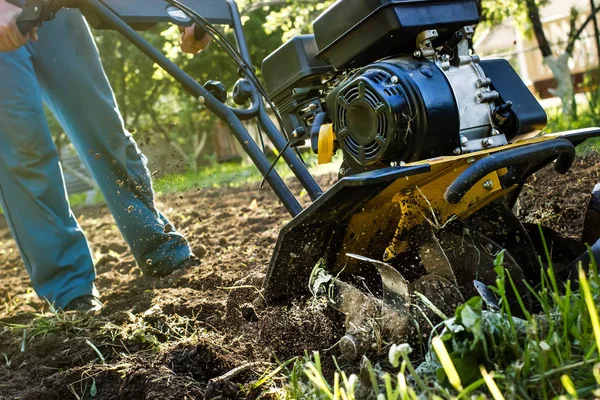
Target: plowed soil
205,333
558,201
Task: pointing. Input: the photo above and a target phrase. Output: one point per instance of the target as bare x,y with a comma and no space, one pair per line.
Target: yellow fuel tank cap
326,138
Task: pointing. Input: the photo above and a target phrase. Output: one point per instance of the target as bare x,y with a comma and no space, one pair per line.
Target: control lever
217,89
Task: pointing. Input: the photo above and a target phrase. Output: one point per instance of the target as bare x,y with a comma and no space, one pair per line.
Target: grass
226,175
214,176
588,115
211,176
155,330
44,324
480,354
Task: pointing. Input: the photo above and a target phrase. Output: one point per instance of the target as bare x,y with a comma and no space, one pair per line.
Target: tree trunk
558,65
565,89
199,145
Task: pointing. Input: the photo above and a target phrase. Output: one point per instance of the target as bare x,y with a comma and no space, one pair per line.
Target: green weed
155,330
44,324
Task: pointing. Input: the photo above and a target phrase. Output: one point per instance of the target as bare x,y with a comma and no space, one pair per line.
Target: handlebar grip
26,26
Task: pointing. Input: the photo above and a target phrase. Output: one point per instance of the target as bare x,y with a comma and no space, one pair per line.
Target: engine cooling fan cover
370,112
397,110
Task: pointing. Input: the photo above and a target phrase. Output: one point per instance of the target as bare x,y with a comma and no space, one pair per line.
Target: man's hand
10,36
190,43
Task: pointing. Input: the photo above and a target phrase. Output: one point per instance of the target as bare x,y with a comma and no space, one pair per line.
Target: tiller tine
395,287
591,227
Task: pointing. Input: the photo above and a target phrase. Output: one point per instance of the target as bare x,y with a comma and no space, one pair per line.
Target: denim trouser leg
64,69
77,91
32,193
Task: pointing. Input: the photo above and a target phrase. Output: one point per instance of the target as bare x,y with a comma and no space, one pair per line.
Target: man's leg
32,192
76,89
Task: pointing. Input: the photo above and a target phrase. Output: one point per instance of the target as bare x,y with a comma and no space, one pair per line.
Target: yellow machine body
388,214
416,200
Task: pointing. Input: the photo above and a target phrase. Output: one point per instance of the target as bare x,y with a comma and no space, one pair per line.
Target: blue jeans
63,70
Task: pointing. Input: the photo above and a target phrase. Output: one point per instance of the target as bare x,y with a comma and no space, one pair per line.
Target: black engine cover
397,110
353,33
528,114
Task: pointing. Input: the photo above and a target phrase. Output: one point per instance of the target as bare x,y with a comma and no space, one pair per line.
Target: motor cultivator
436,145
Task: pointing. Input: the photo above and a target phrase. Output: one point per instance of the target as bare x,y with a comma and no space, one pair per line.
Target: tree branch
538,28
200,146
575,35
167,137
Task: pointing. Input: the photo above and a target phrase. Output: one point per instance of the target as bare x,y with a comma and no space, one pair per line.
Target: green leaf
470,314
319,278
93,389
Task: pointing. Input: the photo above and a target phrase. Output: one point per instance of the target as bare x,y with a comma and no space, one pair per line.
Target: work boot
176,276
87,304
169,271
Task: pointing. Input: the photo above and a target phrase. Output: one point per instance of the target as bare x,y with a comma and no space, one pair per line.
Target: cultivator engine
436,146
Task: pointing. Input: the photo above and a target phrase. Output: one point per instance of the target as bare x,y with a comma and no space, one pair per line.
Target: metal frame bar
275,136
222,111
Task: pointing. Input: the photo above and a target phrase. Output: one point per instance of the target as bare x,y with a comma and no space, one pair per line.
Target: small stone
200,251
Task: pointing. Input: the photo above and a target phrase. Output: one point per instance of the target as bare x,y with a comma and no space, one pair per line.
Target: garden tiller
436,144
